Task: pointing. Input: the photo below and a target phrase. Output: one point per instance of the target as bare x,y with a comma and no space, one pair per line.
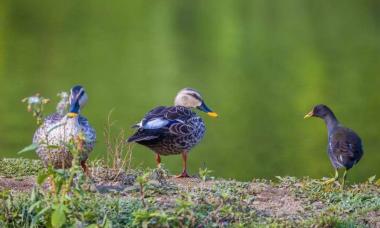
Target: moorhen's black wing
345,148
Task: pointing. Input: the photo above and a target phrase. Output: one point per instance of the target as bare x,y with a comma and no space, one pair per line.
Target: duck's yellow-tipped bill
72,114
212,114
310,114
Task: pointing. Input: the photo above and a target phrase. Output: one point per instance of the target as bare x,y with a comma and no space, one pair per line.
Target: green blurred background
260,64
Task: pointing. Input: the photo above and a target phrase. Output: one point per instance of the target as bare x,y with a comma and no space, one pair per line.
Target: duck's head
191,98
321,111
78,99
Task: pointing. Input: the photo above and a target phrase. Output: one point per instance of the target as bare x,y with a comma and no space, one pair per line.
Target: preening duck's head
321,111
78,99
191,98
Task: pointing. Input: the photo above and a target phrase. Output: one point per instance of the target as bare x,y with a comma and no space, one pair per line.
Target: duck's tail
137,137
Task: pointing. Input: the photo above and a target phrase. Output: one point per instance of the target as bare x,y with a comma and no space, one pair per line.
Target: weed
142,181
119,154
35,105
204,174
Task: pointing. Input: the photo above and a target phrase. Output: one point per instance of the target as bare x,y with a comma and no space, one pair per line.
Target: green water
260,64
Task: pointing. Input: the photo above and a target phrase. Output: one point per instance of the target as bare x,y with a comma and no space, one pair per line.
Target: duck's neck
331,122
72,121
68,123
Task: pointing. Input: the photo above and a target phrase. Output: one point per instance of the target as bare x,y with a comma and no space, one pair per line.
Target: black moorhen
345,146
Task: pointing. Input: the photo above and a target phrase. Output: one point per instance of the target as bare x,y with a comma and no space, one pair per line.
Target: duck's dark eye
196,96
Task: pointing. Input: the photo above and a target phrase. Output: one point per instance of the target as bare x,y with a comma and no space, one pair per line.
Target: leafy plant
204,173
142,181
371,179
65,192
36,105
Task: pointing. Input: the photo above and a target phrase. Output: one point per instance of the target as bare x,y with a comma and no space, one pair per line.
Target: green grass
19,167
156,201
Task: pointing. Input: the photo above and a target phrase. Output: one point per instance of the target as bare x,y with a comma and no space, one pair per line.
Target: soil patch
276,202
21,184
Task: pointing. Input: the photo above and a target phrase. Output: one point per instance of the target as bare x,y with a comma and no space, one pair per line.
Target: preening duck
175,129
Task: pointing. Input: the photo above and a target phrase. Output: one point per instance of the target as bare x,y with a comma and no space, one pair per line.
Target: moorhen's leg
344,178
158,160
184,165
329,181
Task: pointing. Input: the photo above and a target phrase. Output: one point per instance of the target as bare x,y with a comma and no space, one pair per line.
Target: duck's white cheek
197,103
193,102
185,99
83,100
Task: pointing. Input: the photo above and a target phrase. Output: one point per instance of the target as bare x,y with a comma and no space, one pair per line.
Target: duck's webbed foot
183,175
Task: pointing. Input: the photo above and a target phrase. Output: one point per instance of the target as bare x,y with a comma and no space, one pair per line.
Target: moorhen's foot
330,181
183,175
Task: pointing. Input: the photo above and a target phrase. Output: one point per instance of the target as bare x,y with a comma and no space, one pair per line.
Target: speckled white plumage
54,135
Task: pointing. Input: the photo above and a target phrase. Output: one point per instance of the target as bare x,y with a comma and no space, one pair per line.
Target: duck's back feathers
345,147
163,121
169,128
173,113
56,131
54,120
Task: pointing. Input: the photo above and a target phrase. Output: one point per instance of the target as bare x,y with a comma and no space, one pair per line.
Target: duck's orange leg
85,168
184,165
158,160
